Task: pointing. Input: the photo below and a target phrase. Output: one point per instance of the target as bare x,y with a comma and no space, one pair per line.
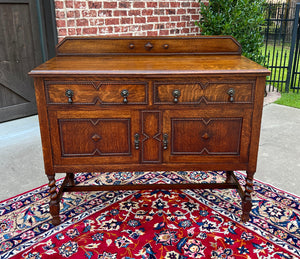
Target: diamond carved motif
96,138
205,136
148,46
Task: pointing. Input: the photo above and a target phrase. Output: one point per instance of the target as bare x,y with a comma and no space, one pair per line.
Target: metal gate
294,75
282,35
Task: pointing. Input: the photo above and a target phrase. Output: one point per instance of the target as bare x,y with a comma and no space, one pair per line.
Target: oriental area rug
172,224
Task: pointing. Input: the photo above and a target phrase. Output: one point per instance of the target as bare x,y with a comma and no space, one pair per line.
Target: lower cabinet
150,136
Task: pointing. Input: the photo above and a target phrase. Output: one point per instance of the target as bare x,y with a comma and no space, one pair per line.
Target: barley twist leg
54,200
247,201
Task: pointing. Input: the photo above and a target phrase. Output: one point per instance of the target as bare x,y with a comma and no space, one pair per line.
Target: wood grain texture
92,92
137,65
151,137
183,111
210,91
148,45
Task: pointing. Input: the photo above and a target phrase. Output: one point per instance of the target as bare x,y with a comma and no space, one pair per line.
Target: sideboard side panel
256,122
44,124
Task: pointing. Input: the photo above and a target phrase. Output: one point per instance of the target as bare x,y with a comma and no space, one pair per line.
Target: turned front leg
247,200
54,200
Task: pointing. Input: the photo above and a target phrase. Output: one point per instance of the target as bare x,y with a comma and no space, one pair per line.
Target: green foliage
289,99
241,19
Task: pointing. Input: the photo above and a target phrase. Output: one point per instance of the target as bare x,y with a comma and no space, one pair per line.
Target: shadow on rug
172,224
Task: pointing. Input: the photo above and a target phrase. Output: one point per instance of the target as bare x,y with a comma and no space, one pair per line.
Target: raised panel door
207,136
94,137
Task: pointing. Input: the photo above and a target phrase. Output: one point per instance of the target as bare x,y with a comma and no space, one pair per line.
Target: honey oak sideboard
142,103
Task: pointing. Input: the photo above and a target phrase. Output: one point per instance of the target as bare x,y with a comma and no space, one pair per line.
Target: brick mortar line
170,27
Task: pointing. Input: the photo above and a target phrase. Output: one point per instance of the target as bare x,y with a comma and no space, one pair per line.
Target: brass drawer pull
231,93
69,93
165,141
176,93
124,94
137,141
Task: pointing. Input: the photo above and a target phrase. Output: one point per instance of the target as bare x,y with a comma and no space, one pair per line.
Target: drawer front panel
209,92
207,136
93,92
93,137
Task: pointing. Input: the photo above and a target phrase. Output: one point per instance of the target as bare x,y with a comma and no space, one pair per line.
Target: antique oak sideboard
140,103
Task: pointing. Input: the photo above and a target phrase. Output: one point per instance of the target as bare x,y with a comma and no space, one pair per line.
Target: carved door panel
94,137
207,136
151,135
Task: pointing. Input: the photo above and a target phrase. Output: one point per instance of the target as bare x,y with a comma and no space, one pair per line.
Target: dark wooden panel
15,99
20,50
18,54
8,97
48,20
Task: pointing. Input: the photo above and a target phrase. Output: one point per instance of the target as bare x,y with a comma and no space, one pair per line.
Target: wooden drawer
93,92
204,91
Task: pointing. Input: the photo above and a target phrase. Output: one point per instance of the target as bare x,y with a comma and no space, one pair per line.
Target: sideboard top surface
149,56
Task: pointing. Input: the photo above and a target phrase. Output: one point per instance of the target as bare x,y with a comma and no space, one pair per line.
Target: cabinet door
207,136
93,137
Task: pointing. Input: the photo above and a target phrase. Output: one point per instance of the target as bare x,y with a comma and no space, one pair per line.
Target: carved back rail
214,45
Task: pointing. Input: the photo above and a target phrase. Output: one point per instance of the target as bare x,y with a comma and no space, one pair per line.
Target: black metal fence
282,35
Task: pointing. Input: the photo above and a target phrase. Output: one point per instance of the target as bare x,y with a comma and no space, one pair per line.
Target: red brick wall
131,17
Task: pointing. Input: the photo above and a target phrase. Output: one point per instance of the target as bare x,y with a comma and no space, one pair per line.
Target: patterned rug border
64,225
249,224
59,181
124,194
270,186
